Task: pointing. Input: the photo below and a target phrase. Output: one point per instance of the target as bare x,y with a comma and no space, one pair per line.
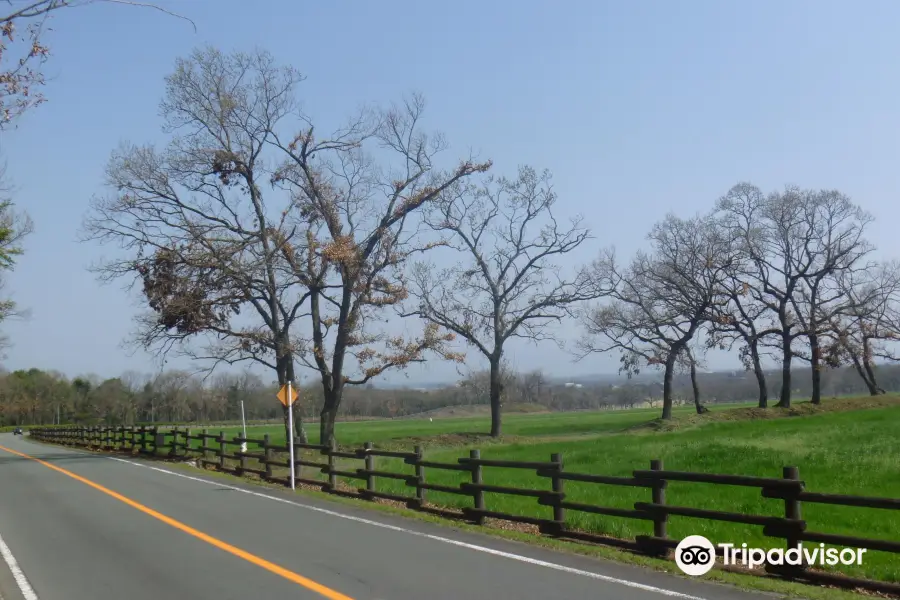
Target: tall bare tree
507,285
358,215
662,299
797,241
200,236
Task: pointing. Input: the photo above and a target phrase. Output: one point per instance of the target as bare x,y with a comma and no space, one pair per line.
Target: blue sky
637,107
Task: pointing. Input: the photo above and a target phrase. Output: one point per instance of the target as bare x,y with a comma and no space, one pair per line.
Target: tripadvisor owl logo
695,555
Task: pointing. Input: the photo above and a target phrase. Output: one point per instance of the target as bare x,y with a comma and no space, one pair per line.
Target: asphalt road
108,528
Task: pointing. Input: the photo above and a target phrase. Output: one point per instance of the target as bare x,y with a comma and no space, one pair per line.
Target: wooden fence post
332,478
792,503
187,442
370,466
267,451
143,439
204,446
223,448
420,478
557,484
658,496
478,495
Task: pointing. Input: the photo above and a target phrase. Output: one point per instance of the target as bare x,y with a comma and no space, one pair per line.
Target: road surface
79,526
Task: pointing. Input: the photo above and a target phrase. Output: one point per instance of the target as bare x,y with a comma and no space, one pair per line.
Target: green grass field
837,450
447,431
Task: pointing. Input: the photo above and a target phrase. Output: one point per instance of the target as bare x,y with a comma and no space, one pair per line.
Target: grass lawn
407,432
854,452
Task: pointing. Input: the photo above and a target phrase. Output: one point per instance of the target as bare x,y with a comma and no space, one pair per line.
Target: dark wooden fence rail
262,457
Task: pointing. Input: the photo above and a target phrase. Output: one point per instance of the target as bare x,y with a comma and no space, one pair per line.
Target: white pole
290,394
244,424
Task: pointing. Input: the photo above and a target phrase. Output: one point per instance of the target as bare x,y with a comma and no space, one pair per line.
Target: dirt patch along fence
269,462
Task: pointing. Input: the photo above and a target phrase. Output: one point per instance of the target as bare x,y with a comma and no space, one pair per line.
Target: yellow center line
251,558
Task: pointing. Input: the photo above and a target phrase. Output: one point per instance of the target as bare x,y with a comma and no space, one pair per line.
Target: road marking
18,575
251,558
485,549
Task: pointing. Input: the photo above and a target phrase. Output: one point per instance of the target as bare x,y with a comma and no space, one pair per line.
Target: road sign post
287,395
244,427
291,434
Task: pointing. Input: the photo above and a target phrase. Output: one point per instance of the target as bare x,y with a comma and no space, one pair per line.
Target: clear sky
637,107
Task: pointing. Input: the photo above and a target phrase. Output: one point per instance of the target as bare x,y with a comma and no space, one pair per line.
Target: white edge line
486,550
18,575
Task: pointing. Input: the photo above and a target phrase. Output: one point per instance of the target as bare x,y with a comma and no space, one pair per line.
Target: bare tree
870,324
662,299
507,285
837,250
797,241
742,320
199,234
358,215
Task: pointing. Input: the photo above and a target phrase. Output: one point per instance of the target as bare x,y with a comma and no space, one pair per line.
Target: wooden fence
216,451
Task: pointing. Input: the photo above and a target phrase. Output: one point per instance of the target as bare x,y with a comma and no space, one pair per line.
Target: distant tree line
36,397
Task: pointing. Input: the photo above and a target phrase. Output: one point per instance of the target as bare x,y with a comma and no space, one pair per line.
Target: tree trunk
760,376
696,386
496,395
667,384
785,400
326,424
861,371
871,381
815,361
328,416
